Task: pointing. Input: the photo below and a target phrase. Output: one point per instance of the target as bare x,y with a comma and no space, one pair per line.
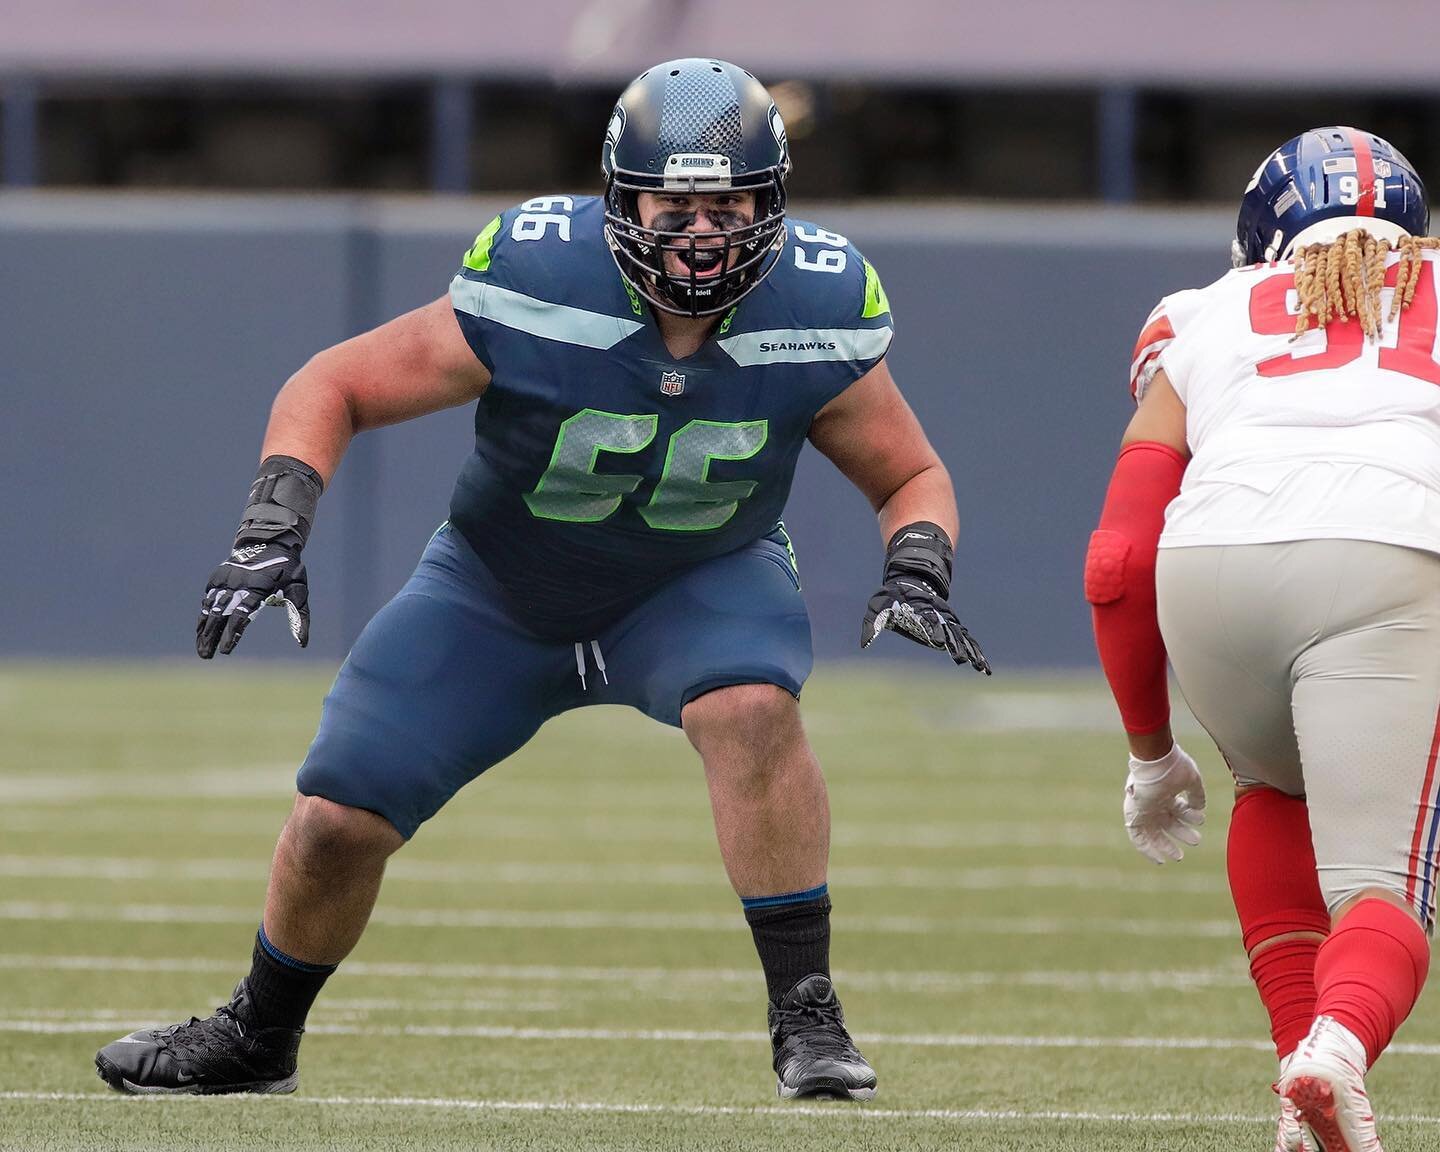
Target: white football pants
1315,666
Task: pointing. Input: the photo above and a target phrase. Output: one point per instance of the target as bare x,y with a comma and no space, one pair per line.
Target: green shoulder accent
725,324
478,258
876,302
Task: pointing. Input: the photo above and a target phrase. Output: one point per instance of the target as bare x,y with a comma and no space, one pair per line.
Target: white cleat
1289,1135
1325,1083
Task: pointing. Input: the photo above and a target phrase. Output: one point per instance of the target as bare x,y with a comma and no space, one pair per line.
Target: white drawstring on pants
580,663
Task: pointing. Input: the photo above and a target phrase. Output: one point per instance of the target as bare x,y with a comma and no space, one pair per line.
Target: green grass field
557,961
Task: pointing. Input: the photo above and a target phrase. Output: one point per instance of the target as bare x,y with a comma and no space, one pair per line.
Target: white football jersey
1327,436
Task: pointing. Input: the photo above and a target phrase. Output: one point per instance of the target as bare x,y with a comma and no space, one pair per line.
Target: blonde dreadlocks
1342,280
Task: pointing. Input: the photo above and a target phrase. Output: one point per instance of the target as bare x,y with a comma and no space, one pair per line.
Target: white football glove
1164,804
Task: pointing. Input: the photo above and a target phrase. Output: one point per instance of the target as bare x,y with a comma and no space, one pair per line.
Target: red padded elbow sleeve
1120,582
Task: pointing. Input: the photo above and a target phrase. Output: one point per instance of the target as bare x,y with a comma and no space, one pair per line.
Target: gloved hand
255,575
912,601
1164,804
264,565
910,606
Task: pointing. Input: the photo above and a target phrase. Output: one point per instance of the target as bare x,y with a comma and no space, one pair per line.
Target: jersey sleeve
859,322
523,260
480,268
1162,327
875,318
823,319
1154,338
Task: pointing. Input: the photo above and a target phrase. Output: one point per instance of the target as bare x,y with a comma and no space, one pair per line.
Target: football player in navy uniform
647,367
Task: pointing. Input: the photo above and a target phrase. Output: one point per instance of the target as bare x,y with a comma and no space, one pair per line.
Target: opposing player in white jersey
1287,438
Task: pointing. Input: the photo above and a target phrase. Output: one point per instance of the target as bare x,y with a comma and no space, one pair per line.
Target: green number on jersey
684,500
571,489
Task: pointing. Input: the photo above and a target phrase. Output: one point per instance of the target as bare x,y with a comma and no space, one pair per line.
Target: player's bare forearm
928,495
873,437
416,364
312,421
875,440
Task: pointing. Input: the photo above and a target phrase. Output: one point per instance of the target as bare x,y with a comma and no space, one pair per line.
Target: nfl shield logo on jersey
672,383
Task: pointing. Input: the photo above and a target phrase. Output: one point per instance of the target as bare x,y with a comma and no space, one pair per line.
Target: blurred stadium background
195,198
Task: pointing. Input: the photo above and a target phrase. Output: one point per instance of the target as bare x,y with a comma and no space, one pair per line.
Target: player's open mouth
703,262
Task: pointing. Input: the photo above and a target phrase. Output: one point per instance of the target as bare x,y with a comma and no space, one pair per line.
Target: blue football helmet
696,127
1328,174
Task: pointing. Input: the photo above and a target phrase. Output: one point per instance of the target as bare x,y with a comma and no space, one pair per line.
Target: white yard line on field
799,1111
277,780
329,1011
836,1111
982,834
609,828
689,1036
581,920
676,1036
991,711
1223,976
121,868
336,1007
246,780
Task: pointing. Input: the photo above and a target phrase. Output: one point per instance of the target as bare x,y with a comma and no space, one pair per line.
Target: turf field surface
557,961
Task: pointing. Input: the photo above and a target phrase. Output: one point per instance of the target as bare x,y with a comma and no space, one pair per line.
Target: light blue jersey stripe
807,345
539,317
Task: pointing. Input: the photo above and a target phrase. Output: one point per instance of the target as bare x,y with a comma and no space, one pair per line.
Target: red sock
1273,881
1370,972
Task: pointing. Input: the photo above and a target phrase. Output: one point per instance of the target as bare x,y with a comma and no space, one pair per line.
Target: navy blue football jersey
603,465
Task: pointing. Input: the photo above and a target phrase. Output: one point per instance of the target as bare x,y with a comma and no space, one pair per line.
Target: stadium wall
141,339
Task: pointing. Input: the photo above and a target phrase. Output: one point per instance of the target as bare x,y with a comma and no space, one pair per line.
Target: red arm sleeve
1120,582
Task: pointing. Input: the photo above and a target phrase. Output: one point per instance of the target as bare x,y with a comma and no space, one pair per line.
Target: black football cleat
222,1053
814,1055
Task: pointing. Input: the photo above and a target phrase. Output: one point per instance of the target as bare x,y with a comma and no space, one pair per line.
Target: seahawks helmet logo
777,129
613,132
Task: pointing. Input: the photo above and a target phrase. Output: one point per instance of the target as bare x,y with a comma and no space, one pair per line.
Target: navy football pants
443,682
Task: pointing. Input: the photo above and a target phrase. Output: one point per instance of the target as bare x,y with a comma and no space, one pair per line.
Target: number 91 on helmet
1322,183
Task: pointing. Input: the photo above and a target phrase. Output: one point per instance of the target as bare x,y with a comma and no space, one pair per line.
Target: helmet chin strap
1326,231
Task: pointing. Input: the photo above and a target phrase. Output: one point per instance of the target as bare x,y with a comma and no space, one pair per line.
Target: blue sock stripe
785,898
289,961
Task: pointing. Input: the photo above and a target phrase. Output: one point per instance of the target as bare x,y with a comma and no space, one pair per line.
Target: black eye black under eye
676,220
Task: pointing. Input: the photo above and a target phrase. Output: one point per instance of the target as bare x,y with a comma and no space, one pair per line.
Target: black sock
792,937
281,987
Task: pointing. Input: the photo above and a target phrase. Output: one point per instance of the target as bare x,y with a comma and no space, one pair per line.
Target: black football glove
912,601
255,575
264,566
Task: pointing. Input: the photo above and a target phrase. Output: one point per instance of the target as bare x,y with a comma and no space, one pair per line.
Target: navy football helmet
695,126
1321,184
